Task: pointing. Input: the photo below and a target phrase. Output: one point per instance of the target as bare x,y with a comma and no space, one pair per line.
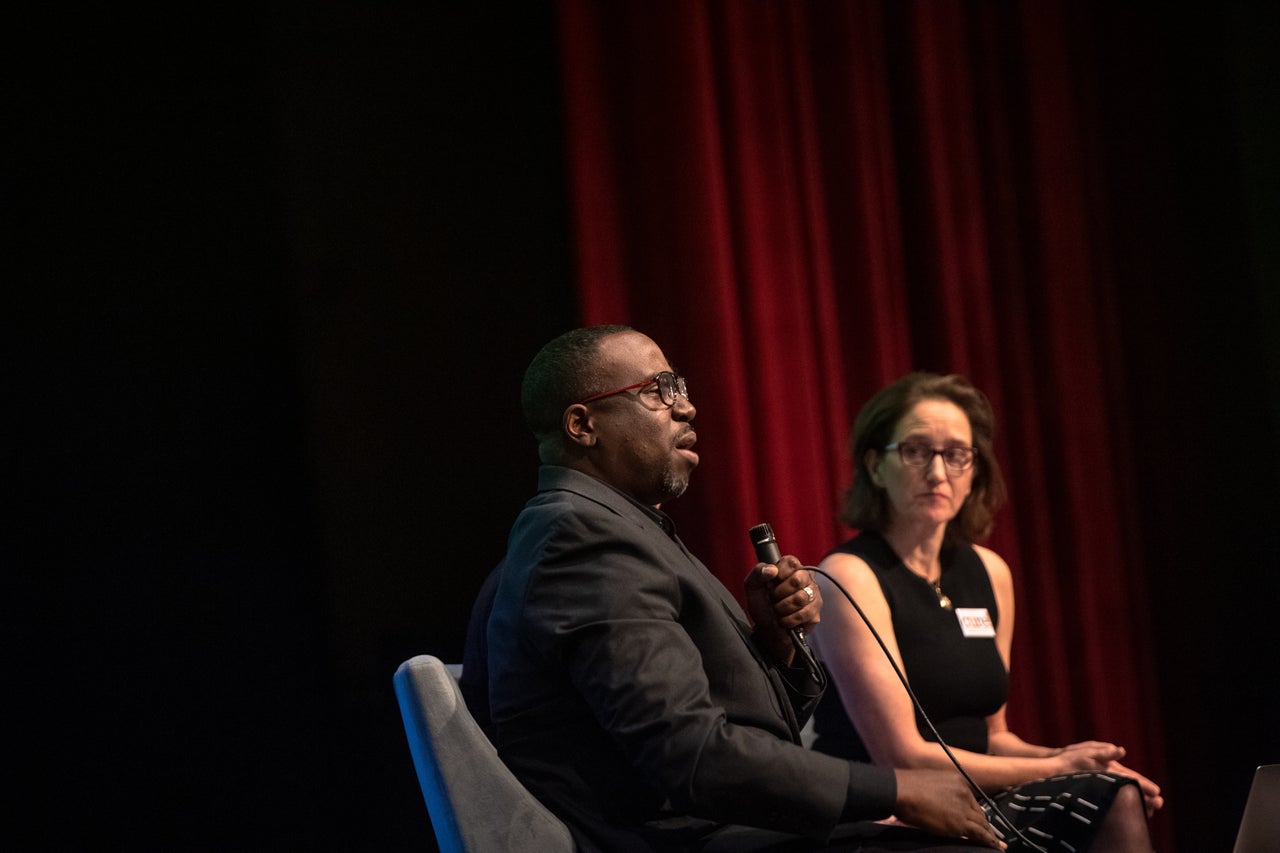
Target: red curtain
802,201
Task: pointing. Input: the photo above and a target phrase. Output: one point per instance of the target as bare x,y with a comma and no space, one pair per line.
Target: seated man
628,689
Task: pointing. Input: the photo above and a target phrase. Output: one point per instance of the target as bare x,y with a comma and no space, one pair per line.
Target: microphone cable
988,805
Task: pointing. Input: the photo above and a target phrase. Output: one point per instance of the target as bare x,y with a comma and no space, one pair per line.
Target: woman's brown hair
866,506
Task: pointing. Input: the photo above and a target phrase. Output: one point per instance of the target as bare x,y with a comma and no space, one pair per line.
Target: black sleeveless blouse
959,680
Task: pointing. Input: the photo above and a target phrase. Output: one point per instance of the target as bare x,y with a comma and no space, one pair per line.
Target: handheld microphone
767,551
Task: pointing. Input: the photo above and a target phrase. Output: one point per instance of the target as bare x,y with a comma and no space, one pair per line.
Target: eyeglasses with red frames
669,386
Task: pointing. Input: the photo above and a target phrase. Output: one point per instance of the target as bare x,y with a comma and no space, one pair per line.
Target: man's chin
674,485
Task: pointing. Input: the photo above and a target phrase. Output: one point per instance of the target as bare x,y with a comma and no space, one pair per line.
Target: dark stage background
273,278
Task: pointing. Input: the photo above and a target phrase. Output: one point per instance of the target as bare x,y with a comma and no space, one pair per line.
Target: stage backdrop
801,202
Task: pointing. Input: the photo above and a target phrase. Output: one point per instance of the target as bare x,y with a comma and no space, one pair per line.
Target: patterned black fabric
1061,814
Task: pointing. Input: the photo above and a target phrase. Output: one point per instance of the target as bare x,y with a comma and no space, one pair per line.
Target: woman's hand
1089,757
1151,796
1084,757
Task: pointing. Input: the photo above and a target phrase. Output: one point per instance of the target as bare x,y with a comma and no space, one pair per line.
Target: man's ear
578,425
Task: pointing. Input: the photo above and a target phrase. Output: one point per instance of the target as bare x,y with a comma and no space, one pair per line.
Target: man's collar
552,477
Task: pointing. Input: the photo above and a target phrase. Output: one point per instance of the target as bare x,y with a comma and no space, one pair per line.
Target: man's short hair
563,372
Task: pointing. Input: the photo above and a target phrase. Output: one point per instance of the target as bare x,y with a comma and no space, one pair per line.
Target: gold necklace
943,601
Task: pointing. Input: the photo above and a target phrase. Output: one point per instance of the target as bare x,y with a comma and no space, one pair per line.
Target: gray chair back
476,804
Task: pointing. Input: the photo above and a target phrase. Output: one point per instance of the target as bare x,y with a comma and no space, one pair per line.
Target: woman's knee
1129,798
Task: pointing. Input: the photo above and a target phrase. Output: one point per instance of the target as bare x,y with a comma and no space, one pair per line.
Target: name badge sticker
975,622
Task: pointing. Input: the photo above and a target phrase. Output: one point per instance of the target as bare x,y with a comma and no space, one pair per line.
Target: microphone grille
761,533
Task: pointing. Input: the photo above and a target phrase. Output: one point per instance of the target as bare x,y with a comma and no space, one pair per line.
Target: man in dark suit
629,691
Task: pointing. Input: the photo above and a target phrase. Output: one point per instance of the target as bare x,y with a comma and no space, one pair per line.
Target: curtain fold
802,201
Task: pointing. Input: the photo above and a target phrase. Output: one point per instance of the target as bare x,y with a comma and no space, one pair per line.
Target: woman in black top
925,490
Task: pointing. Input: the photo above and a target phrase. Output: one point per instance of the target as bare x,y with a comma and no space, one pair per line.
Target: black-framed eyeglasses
669,387
917,454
